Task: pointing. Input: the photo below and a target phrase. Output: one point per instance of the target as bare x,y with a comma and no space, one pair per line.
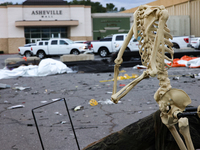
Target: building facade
104,24
21,24
179,8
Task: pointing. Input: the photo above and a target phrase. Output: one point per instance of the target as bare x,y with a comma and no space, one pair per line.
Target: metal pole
72,124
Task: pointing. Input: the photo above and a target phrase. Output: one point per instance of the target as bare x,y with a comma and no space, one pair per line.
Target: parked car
59,47
113,43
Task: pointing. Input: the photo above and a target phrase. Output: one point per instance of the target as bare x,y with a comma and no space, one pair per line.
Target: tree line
96,7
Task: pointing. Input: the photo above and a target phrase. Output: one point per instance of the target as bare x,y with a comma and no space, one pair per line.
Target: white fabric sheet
46,67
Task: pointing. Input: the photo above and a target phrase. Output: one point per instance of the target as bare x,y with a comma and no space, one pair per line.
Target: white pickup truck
111,44
195,43
26,50
180,41
59,47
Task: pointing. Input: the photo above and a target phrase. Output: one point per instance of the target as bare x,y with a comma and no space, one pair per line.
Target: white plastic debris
55,99
43,102
139,112
63,122
176,78
139,67
57,113
108,92
16,106
78,108
21,88
4,86
107,101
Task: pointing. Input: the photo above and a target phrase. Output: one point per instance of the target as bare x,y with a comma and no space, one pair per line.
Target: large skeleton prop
150,26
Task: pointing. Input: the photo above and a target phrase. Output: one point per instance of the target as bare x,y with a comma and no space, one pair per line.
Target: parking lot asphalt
91,123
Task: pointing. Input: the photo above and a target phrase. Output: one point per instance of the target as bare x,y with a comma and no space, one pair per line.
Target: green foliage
110,7
122,9
96,7
6,3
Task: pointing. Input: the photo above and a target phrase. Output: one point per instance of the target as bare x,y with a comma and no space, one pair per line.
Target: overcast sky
118,3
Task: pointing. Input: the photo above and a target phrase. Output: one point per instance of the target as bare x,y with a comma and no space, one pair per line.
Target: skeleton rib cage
150,26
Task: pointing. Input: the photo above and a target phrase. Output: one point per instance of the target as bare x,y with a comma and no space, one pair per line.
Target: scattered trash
29,125
93,102
6,102
108,92
126,76
63,122
176,78
21,88
121,85
148,103
35,92
55,99
4,86
139,112
195,76
107,101
16,106
78,108
57,113
122,71
43,102
139,67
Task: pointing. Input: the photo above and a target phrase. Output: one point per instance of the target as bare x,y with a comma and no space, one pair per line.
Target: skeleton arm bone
119,59
117,96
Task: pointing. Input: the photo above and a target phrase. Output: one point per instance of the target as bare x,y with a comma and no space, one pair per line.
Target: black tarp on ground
91,66
148,133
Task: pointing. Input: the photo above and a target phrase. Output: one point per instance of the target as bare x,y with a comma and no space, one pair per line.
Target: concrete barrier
16,60
81,57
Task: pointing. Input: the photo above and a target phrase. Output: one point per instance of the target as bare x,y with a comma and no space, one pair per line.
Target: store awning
35,23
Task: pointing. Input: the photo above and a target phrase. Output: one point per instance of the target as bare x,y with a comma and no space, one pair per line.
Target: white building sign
46,14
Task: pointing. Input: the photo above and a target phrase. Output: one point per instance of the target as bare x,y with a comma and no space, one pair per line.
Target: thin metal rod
62,99
37,129
186,114
72,124
190,109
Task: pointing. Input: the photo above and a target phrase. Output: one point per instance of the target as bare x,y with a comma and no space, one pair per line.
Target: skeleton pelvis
176,97
173,100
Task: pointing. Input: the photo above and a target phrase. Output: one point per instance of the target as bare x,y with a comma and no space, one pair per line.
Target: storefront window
35,35
44,33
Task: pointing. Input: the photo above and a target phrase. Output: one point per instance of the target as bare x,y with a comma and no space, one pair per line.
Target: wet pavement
91,123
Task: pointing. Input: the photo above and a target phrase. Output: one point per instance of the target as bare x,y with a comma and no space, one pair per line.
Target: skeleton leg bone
184,130
177,137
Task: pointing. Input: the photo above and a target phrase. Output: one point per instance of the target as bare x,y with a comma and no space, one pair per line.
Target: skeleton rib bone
150,26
